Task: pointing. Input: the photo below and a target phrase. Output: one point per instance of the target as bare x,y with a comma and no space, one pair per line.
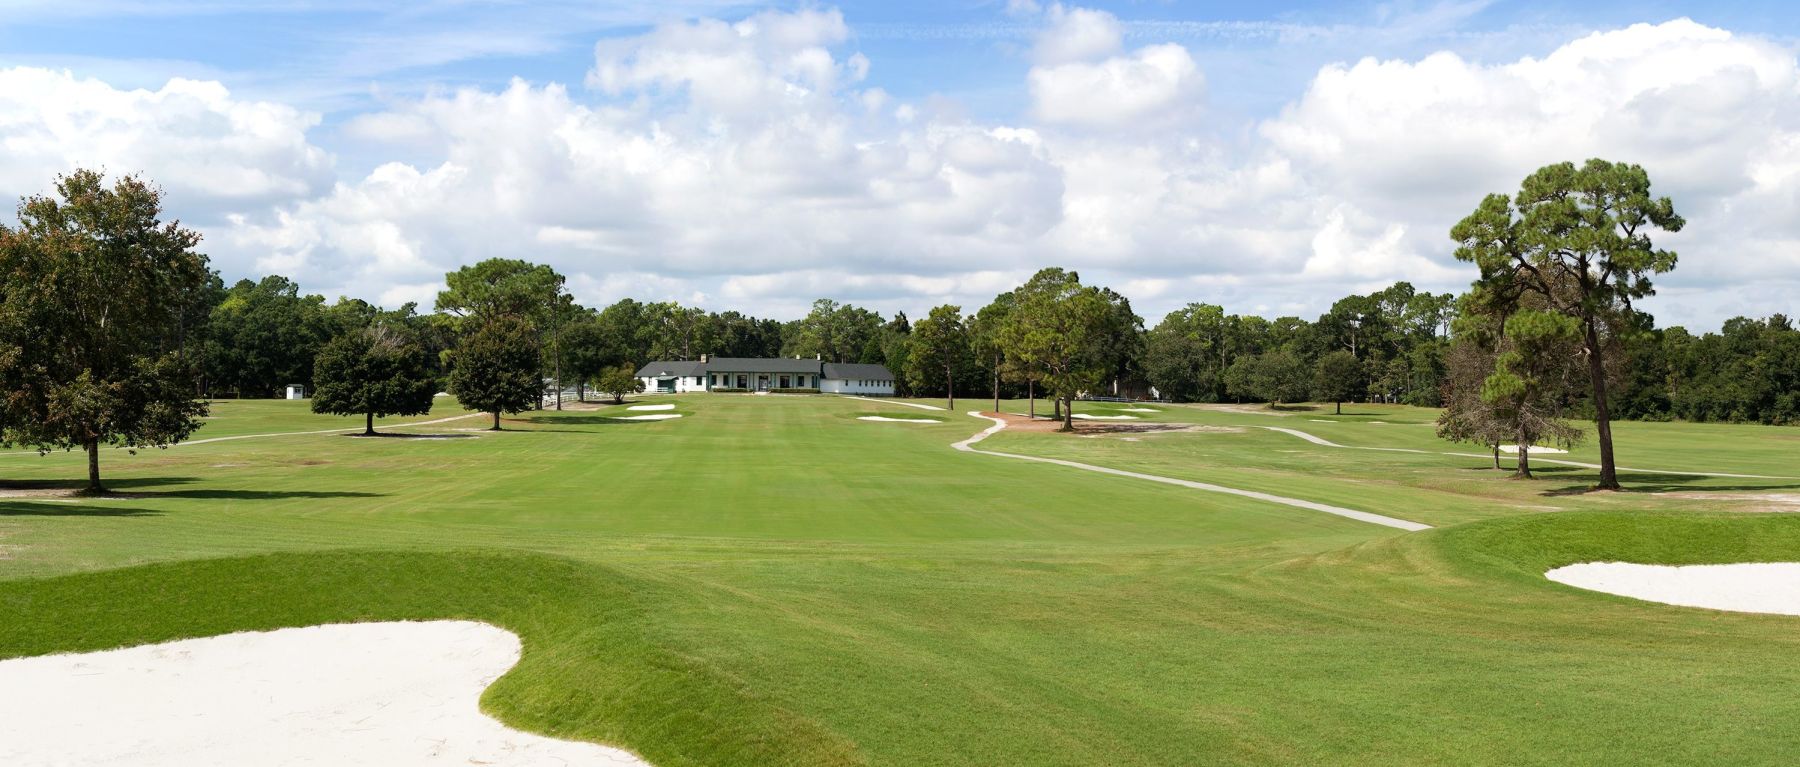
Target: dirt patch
1101,428
39,492
408,437
1246,409
1770,502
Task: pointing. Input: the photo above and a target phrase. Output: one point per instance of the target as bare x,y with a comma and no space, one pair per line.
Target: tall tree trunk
1340,407
1524,464
369,424
1031,398
1068,414
580,391
93,456
496,421
1056,408
1609,474
1496,455
950,388
996,384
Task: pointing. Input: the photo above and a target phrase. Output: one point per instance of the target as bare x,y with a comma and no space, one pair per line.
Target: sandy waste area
390,694
1751,587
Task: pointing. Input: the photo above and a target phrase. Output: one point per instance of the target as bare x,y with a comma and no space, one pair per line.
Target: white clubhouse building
764,374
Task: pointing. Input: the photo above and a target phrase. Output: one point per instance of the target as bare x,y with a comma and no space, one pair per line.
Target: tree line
117,333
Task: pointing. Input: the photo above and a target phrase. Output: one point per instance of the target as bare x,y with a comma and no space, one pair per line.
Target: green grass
768,580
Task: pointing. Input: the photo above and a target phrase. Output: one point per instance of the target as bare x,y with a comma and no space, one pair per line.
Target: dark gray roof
666,368
847,371
761,365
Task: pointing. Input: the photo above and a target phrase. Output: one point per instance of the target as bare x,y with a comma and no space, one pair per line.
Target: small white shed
296,391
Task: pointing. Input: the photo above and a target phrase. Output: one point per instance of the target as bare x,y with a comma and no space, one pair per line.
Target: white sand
1321,420
651,407
656,417
1139,410
344,694
1750,587
1535,450
1092,417
896,420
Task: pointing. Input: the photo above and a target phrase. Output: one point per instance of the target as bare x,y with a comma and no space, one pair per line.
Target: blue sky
320,105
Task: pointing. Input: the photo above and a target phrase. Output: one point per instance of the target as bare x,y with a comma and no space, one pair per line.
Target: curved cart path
1321,441
968,446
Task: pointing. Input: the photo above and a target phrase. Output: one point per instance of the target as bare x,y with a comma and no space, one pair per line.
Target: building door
762,383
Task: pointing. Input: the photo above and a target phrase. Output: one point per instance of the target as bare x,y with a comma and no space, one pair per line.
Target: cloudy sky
1268,157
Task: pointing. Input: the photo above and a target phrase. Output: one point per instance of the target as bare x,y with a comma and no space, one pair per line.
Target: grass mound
593,667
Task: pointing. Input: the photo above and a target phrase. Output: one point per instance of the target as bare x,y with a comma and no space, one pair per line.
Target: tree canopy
498,368
375,372
97,289
1578,238
940,346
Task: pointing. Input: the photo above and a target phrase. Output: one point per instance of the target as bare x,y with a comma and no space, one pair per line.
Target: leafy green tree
986,339
833,332
1579,238
1187,353
502,286
1239,379
1055,327
627,332
585,352
1118,344
1338,377
263,335
940,344
1280,377
1528,387
96,288
618,381
376,371
497,367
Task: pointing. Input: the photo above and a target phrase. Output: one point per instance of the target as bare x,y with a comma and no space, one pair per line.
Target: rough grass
769,581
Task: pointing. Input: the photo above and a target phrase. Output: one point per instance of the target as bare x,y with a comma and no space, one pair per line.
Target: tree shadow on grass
1652,484
64,509
249,495
396,435
589,420
26,485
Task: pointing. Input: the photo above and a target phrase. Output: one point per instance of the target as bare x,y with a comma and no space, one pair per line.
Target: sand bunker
344,694
896,420
1093,417
1750,587
656,417
651,407
1535,450
1138,410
